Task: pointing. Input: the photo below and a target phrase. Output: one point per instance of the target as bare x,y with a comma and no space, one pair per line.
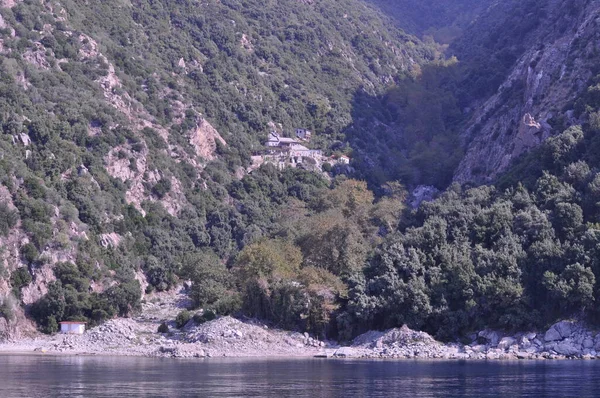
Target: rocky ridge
557,65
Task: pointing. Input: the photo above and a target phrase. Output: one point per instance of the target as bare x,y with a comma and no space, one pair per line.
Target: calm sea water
47,376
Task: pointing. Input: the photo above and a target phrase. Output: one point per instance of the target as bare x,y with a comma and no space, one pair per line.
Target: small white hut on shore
69,327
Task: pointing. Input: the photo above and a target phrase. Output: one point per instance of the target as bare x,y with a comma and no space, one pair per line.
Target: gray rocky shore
563,340
230,337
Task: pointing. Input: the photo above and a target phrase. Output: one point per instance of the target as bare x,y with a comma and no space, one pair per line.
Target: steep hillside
127,127
521,251
518,67
534,58
444,20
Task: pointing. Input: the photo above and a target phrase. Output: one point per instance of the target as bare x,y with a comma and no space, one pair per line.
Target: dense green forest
101,186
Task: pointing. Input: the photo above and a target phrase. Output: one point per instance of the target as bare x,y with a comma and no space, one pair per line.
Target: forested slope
126,131
128,127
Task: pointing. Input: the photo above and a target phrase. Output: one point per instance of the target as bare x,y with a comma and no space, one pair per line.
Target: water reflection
53,376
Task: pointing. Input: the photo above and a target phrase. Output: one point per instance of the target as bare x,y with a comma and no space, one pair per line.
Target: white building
72,327
301,150
343,159
275,140
303,134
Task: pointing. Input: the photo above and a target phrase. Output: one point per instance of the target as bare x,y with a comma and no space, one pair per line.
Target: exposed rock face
9,3
110,240
35,290
422,193
204,140
246,43
174,201
37,56
556,66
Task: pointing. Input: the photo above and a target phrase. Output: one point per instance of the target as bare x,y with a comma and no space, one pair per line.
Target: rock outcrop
8,3
556,66
204,140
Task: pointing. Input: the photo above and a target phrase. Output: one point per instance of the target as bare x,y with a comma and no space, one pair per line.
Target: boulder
167,350
565,328
345,352
506,342
490,336
552,335
567,348
597,342
588,342
559,331
479,348
531,350
530,336
493,354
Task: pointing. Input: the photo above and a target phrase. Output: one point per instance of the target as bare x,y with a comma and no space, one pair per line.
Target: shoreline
289,357
227,337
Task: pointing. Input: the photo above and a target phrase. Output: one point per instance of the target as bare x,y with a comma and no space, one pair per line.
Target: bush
7,308
163,328
182,318
29,253
205,316
158,275
34,188
8,219
227,305
161,188
19,279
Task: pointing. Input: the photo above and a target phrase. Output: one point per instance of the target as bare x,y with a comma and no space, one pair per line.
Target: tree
8,219
572,289
50,309
212,285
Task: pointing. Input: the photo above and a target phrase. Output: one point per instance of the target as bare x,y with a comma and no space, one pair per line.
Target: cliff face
557,59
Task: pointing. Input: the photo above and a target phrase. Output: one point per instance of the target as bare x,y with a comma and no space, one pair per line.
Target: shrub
19,279
29,253
7,308
227,305
205,316
161,188
8,219
35,189
163,328
182,318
